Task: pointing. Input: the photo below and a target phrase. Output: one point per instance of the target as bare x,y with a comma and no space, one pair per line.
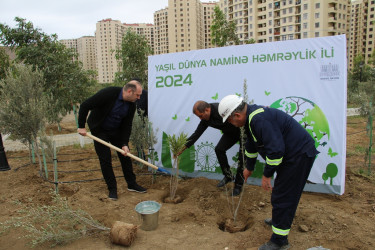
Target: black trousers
289,183
105,159
226,142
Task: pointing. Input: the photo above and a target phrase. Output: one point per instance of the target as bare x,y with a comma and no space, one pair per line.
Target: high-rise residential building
161,45
362,30
185,25
70,44
208,12
109,34
144,29
86,49
280,20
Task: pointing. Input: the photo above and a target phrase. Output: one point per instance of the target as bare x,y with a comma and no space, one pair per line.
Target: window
317,5
305,6
316,34
305,25
317,25
305,16
316,15
304,34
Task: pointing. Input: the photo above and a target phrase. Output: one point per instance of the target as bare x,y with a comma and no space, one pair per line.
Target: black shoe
236,190
268,221
273,246
136,188
224,181
113,195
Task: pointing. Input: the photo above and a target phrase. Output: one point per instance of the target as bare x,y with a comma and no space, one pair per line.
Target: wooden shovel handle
121,151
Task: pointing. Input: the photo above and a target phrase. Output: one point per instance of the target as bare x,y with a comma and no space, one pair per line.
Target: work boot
236,190
224,181
268,221
273,246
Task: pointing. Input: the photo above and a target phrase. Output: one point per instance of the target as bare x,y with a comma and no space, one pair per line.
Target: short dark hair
239,108
201,106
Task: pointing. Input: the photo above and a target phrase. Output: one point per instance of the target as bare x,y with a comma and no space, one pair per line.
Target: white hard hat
228,104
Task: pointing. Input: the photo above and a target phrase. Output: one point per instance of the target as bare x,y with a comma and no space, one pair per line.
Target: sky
71,19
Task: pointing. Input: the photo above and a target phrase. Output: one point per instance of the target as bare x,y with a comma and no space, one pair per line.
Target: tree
65,82
250,41
133,58
4,63
23,104
222,31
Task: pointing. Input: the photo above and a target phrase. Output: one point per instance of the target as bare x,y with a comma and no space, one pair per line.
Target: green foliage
222,31
142,135
23,104
133,58
4,63
250,41
65,80
177,144
57,223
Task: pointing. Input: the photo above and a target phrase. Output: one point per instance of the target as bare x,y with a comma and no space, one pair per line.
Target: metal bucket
148,213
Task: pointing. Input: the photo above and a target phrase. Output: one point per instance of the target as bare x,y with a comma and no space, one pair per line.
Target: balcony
332,10
331,19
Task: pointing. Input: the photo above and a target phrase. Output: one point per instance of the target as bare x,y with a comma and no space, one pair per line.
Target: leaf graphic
187,119
267,93
215,96
331,153
238,94
174,117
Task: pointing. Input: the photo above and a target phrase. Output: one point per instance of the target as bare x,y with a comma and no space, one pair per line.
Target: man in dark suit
112,111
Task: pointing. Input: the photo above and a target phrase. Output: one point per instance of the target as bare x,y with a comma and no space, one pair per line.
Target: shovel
128,154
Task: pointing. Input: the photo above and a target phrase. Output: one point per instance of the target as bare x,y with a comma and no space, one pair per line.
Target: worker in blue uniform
287,148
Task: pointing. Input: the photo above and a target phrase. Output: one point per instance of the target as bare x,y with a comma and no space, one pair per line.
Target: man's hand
266,183
126,150
246,174
82,131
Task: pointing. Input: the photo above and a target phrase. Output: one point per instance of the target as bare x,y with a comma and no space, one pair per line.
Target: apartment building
109,34
362,30
208,12
70,43
280,20
185,25
144,29
86,49
161,45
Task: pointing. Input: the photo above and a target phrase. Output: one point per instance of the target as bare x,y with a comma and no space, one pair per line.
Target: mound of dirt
330,221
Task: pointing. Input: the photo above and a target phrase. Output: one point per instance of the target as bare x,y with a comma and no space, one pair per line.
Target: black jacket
101,105
215,121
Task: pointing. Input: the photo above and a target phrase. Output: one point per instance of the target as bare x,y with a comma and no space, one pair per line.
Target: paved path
75,138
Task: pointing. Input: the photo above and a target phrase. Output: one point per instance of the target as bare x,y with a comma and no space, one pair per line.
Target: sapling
176,145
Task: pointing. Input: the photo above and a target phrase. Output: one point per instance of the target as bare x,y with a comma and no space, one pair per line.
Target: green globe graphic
309,115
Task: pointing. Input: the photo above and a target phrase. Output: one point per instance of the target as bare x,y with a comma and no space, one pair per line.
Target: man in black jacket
112,111
209,115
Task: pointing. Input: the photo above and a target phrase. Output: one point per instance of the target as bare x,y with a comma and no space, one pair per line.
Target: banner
305,78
